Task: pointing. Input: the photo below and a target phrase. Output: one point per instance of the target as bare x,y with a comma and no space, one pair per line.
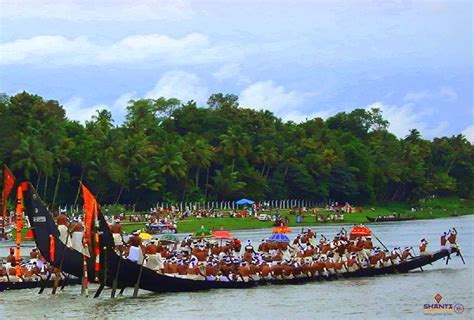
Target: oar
379,241
115,282
460,255
44,283
56,280
414,254
104,280
137,284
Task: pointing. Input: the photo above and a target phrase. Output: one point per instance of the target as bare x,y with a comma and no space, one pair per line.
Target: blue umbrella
278,237
244,201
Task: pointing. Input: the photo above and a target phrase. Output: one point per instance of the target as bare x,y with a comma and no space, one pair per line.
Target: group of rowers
305,256
35,269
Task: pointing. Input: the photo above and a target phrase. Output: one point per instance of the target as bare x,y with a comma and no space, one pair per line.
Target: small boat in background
389,218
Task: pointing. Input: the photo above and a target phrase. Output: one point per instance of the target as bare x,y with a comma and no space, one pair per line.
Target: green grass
430,209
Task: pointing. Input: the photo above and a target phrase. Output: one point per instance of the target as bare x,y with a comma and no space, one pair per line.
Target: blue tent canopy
245,201
278,237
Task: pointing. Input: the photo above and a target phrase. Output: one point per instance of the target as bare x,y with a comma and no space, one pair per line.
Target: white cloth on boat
117,239
155,262
135,254
76,240
63,234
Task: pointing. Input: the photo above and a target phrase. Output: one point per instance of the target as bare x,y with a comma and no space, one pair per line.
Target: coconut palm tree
236,143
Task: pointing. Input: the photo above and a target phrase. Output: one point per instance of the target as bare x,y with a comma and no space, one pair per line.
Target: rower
116,229
11,256
3,272
422,247
63,222
77,234
443,241
452,239
34,254
406,254
135,254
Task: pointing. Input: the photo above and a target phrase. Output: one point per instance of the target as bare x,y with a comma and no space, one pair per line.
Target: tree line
168,150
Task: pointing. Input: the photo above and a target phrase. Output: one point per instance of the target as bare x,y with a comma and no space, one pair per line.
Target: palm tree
235,143
32,157
135,149
61,157
199,154
226,183
171,161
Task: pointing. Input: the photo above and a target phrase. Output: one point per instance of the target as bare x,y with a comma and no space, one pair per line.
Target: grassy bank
430,209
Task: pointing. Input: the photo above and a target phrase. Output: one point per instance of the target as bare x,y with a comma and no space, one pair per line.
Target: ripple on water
383,297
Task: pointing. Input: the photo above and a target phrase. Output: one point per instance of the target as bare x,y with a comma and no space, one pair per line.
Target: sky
299,59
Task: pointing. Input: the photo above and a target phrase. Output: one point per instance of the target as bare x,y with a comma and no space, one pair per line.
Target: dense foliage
167,150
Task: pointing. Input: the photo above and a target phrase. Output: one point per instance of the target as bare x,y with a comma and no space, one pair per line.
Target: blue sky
412,59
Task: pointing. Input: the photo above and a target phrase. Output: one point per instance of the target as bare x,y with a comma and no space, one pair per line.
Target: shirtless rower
11,256
3,272
422,247
117,233
406,254
77,229
452,239
63,222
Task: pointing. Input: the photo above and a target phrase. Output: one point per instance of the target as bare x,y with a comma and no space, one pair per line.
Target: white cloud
267,95
120,105
75,110
79,10
448,93
191,49
405,117
179,84
469,133
227,71
284,103
443,93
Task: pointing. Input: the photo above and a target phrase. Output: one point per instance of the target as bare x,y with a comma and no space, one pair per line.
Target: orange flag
91,209
19,221
8,183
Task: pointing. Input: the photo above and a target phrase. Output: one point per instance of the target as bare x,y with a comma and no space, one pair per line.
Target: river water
399,296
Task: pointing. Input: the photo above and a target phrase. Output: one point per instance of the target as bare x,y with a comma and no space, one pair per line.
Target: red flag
90,212
8,183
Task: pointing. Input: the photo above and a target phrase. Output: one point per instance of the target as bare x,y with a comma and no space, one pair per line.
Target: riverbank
430,209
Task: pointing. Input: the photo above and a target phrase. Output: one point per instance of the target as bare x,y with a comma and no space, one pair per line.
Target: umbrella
202,233
169,238
360,231
29,235
223,234
244,201
281,229
278,237
145,236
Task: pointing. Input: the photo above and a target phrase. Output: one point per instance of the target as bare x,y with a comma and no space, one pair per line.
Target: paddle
459,250
137,284
414,254
104,280
56,280
115,282
379,241
44,283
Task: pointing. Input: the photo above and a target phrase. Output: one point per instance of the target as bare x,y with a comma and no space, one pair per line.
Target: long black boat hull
389,219
128,271
4,286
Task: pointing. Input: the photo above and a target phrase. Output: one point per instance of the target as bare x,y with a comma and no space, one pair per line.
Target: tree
226,184
235,144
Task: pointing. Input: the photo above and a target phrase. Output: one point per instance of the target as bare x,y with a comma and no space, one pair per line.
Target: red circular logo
458,308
